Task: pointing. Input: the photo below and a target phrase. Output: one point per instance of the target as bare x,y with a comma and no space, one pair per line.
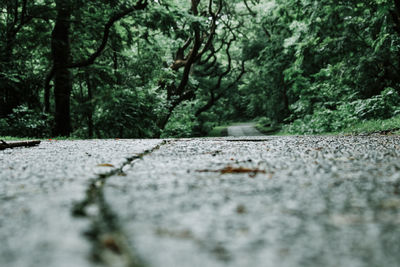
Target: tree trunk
285,100
61,52
163,122
47,88
9,98
90,107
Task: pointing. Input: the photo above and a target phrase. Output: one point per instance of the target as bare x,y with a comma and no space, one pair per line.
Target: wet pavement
264,201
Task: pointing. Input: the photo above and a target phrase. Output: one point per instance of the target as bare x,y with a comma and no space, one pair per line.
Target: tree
62,63
21,22
176,68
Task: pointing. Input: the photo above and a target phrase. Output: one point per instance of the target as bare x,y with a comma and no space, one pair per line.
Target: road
265,201
243,129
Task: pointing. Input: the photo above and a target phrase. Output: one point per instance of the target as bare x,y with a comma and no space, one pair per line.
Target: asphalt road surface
243,129
265,201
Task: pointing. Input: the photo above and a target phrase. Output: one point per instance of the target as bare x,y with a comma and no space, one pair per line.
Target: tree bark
186,96
8,96
47,88
90,107
61,53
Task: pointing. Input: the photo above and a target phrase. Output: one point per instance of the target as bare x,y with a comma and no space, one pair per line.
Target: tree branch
142,4
4,145
254,14
214,98
210,38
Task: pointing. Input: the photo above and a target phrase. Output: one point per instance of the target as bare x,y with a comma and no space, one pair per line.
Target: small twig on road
4,145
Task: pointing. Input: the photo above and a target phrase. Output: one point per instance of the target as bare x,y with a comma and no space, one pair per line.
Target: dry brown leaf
230,169
241,209
110,243
105,165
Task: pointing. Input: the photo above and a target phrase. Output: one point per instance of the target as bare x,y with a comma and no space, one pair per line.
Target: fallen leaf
241,209
105,165
230,169
110,243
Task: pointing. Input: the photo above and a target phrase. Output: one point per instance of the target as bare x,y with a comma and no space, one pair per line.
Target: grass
391,125
269,130
12,138
387,126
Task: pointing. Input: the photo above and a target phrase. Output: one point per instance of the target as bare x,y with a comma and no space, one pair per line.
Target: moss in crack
109,244
106,235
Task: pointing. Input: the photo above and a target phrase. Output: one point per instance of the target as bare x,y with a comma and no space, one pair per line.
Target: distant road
244,129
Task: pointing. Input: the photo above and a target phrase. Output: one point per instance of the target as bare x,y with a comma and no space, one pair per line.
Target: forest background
177,68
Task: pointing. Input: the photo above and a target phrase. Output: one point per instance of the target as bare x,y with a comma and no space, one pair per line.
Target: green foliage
181,123
130,114
326,65
383,106
25,122
321,121
372,126
320,66
218,131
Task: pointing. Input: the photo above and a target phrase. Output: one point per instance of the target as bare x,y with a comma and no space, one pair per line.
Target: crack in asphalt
109,243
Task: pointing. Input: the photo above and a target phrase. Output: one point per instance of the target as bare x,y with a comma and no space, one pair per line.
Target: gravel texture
38,188
248,201
322,201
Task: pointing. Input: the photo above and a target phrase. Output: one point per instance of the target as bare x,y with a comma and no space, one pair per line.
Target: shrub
181,123
343,114
25,122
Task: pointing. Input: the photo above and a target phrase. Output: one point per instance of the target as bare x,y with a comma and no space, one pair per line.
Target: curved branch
254,14
229,68
214,98
210,38
180,55
193,53
142,4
